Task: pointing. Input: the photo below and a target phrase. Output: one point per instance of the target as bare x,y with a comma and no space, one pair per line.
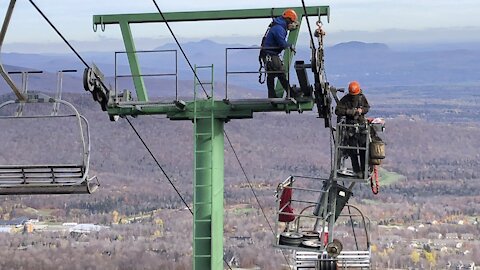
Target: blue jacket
276,36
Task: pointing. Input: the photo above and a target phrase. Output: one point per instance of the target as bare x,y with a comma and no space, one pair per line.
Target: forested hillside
437,158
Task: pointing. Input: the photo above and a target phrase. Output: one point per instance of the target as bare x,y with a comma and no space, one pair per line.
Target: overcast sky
73,18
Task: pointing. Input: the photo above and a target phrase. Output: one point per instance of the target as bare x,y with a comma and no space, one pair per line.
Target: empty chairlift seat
57,178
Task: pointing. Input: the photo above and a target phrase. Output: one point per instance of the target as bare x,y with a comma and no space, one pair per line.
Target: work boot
296,94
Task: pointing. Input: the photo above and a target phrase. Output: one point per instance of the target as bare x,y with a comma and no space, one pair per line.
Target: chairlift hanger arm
3,32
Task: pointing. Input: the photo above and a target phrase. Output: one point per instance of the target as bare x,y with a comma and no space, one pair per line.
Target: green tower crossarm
221,109
212,15
124,20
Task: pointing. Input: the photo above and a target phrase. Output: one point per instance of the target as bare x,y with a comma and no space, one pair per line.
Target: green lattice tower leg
208,195
208,181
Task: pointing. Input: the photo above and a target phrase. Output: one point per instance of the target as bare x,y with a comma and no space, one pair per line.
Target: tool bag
377,151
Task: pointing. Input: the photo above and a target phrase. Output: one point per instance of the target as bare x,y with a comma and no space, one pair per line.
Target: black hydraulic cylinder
300,68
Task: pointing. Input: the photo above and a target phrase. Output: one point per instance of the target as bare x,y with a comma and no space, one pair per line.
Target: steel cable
135,130
228,139
332,136
160,166
180,47
253,191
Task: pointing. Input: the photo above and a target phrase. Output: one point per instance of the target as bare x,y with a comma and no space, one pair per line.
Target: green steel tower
207,114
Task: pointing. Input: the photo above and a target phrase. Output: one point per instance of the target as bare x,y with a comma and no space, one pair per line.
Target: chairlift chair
44,178
58,178
314,247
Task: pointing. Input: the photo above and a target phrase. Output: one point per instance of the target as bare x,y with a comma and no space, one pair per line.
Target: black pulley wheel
291,239
88,80
311,235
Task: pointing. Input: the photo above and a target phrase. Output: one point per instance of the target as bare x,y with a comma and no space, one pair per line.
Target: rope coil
375,187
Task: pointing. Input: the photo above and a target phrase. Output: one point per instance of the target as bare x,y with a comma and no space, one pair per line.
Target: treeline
439,161
270,147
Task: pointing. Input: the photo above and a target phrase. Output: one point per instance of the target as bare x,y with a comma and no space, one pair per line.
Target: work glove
350,112
293,25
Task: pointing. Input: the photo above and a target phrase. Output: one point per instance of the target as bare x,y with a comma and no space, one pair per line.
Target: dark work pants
274,67
357,140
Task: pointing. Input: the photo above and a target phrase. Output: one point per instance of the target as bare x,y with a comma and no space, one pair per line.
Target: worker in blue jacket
273,43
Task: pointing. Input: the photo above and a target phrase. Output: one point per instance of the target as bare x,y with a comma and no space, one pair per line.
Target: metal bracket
180,104
93,83
3,32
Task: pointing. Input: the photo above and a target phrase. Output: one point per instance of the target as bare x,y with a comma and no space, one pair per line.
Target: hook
102,25
319,31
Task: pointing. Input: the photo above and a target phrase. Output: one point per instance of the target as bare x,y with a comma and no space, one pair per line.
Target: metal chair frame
49,178
316,257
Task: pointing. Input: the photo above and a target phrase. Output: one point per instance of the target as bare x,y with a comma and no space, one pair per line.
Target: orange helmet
354,88
290,14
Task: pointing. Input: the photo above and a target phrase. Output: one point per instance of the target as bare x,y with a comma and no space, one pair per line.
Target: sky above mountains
393,22
374,64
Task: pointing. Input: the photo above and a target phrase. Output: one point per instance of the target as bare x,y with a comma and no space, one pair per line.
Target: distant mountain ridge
201,46
360,46
374,64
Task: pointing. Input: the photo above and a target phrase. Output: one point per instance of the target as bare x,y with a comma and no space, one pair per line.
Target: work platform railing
261,72
354,141
125,103
125,97
295,96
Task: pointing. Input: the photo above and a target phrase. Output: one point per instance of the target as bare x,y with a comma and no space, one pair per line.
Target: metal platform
286,101
231,102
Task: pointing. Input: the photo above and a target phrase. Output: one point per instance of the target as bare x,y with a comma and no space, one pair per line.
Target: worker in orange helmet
353,106
273,43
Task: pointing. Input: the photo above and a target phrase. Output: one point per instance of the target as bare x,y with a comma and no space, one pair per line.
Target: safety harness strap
262,55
